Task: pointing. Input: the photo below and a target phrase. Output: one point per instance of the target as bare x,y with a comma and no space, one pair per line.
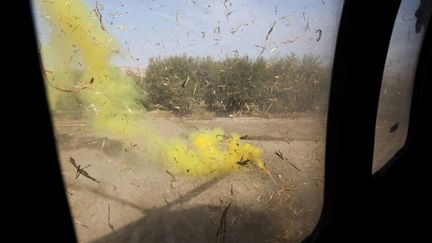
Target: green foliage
233,86
297,84
174,83
186,85
191,85
289,84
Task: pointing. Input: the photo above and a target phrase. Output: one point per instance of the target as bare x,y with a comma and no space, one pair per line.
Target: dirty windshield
398,80
189,121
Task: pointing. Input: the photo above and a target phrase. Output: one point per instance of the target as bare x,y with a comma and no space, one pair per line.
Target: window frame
417,96
350,127
351,190
354,95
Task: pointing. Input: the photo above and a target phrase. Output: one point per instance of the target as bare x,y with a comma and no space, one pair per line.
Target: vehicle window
190,121
398,78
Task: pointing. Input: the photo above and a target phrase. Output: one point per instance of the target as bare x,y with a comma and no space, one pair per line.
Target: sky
216,28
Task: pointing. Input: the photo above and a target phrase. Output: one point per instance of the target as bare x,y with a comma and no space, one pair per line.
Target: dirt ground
137,201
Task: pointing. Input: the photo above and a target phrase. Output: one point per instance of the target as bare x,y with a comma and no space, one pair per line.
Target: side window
190,121
398,78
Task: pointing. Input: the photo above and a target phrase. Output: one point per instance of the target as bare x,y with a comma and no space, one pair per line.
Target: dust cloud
76,60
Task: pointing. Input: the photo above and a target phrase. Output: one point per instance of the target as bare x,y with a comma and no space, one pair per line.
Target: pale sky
218,28
146,28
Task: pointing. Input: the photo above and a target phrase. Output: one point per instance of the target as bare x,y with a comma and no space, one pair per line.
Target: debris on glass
189,121
398,80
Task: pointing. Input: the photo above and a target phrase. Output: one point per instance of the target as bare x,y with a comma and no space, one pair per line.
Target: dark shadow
182,199
110,197
198,224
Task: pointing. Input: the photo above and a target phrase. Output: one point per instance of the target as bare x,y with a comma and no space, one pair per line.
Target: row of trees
188,84
289,84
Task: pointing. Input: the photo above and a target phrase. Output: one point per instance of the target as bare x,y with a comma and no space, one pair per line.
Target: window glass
398,79
190,121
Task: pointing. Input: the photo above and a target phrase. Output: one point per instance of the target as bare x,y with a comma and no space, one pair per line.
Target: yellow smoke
211,152
79,42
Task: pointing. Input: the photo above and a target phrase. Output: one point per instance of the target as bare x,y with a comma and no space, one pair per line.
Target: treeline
289,84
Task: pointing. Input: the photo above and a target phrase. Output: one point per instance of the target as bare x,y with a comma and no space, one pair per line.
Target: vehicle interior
364,197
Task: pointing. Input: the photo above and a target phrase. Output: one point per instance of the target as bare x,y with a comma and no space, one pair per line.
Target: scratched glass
190,121
398,80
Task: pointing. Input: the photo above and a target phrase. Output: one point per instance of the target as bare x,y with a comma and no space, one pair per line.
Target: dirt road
138,201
